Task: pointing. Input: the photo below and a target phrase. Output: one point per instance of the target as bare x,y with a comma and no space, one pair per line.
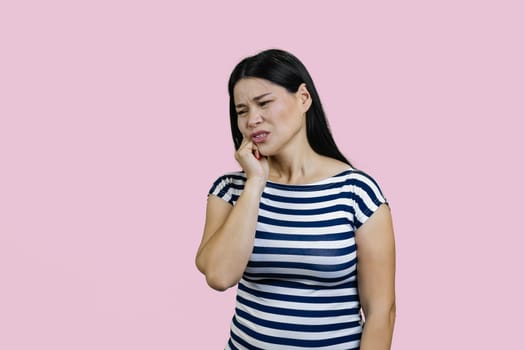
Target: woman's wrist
256,184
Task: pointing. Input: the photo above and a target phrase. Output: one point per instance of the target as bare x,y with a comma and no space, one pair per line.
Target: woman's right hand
246,156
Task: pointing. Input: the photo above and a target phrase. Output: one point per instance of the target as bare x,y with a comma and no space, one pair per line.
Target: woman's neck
296,168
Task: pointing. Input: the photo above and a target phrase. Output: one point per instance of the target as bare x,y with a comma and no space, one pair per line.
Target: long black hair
284,69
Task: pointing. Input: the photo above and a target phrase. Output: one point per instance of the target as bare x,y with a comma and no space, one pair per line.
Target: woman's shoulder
235,179
228,186
232,177
365,193
360,178
344,171
329,168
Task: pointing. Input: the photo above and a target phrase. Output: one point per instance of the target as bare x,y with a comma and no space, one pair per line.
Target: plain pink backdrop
114,123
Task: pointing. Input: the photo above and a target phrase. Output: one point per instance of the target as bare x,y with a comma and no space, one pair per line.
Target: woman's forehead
248,88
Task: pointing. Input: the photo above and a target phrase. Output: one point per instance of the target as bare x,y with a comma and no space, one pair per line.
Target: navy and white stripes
299,290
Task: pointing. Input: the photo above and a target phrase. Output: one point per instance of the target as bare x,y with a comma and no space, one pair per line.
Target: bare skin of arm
229,231
376,279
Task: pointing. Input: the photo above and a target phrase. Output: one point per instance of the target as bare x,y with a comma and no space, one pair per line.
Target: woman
286,228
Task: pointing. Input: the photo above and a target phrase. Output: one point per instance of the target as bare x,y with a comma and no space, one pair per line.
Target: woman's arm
229,233
376,279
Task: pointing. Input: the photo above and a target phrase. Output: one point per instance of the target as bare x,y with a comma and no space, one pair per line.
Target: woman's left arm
376,279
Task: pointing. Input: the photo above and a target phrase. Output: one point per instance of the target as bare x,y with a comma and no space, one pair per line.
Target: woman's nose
254,118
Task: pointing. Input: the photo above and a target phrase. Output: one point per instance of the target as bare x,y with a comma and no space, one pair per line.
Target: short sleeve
367,197
228,187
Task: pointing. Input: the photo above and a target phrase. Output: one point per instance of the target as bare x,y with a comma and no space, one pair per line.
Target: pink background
114,123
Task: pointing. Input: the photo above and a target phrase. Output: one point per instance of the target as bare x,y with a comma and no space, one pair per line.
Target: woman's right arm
229,231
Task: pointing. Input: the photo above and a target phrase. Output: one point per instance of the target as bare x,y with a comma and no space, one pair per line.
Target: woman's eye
239,113
264,103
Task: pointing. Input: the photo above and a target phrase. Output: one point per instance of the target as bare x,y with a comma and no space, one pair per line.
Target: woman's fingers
248,147
251,159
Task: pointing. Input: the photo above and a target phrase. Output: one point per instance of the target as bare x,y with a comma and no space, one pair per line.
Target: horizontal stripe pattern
299,289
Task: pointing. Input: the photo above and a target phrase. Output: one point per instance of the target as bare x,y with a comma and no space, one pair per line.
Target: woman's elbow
218,281
199,263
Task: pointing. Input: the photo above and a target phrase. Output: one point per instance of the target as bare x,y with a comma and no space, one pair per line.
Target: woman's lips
260,136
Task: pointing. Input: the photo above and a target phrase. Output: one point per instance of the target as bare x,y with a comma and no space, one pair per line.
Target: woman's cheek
240,125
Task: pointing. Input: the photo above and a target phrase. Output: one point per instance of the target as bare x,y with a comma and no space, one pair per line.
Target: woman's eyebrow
261,96
256,98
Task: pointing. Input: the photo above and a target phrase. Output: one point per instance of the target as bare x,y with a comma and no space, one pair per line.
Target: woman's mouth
260,136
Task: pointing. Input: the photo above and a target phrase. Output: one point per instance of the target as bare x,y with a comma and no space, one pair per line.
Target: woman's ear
304,97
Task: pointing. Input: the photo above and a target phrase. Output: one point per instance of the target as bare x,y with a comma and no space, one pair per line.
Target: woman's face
268,114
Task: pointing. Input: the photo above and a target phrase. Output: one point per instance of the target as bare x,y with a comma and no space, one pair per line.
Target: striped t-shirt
299,289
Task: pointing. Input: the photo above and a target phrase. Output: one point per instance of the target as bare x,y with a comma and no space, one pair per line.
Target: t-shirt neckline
314,183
